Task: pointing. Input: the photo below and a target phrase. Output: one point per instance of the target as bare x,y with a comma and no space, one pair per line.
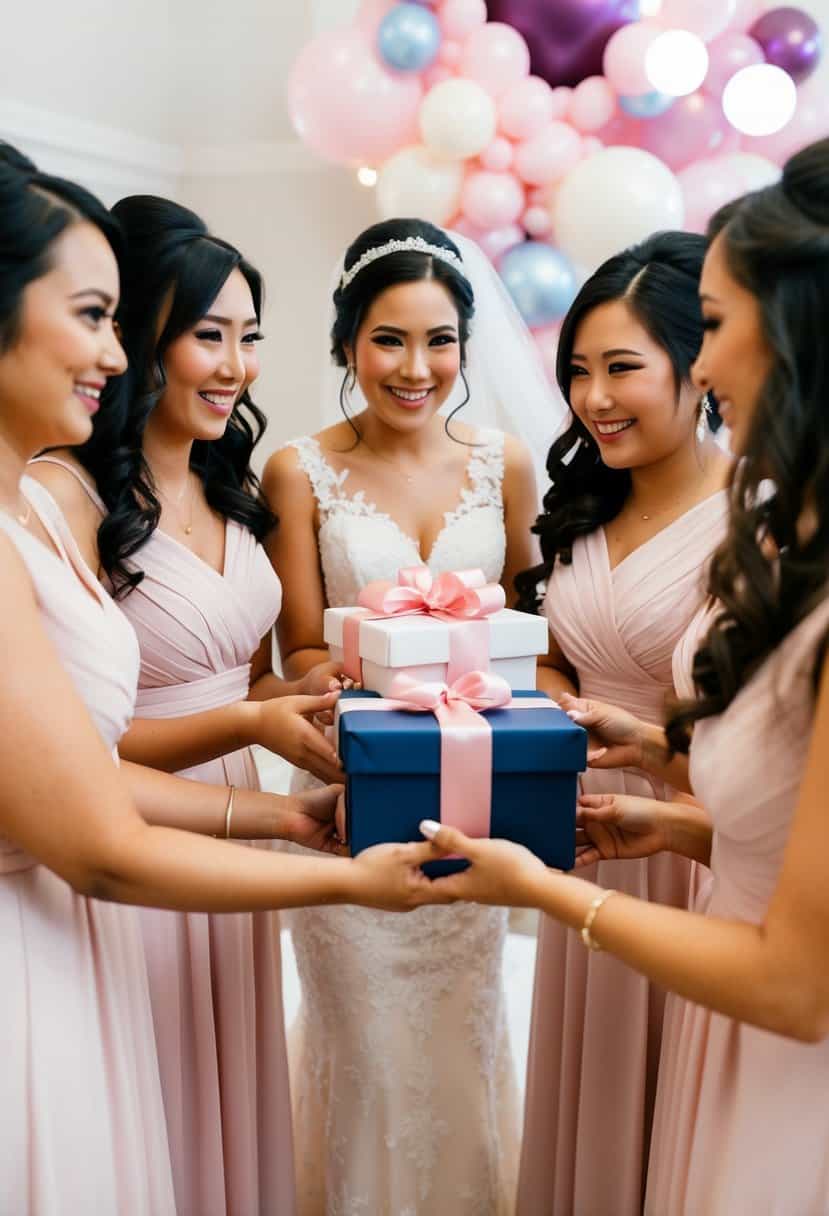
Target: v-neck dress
597,1025
82,1126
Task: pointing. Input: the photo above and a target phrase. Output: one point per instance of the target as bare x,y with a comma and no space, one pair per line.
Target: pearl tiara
415,244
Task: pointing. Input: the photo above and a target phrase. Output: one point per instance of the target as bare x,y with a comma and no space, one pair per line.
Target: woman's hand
325,677
612,827
311,819
499,872
285,726
389,877
617,738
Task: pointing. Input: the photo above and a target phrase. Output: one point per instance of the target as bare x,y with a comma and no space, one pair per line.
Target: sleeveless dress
215,980
82,1124
596,1026
404,1090
742,1118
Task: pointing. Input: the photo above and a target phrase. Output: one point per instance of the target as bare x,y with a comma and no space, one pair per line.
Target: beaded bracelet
592,912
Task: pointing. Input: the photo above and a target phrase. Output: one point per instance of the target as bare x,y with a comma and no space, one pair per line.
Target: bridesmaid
83,1122
181,547
629,524
741,1120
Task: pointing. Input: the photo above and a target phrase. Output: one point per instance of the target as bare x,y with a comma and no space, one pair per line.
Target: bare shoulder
517,456
284,479
339,438
18,592
65,488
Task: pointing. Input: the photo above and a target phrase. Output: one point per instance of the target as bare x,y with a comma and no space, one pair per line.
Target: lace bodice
359,544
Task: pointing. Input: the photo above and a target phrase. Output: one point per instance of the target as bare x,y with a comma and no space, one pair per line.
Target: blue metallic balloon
540,280
409,38
647,105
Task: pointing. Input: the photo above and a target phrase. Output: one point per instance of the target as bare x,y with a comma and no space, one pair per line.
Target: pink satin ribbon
462,595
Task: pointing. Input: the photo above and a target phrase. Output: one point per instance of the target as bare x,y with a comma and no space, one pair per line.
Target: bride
404,1089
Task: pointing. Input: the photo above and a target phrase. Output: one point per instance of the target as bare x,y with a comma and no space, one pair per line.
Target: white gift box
419,645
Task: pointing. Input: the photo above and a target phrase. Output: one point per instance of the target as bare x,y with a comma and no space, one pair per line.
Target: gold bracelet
229,811
592,912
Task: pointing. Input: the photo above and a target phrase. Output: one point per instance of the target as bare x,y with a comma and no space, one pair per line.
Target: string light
760,99
676,63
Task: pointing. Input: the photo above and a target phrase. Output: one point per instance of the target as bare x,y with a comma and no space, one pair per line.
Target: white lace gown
403,1083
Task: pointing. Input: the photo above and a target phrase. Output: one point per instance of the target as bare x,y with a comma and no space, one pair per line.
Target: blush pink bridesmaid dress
82,1127
742,1117
597,1025
215,980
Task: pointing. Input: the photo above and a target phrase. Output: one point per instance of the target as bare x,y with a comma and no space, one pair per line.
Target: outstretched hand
612,827
311,819
286,726
616,736
499,872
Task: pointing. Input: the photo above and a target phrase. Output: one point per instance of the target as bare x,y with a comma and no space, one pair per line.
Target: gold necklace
186,528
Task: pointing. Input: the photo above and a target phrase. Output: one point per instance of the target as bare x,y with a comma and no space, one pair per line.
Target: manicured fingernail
429,828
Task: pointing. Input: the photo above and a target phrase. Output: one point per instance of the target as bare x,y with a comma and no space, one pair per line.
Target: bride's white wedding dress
403,1082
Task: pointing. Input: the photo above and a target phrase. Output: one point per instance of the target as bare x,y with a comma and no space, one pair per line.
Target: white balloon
414,182
458,119
611,200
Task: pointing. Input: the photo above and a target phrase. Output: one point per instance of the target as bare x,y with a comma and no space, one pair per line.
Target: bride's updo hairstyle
353,300
172,270
659,282
776,245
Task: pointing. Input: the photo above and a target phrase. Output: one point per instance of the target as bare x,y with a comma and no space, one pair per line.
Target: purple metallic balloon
566,37
790,39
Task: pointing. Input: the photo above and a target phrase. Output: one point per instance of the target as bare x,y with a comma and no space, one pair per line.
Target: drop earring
702,420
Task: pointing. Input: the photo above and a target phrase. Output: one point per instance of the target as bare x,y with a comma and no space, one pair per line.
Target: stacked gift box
448,724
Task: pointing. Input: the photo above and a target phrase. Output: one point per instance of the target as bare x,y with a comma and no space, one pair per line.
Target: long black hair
659,281
404,266
35,209
768,575
170,260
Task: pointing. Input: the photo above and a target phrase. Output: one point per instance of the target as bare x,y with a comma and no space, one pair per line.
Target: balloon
492,200
726,55
526,107
536,221
810,122
693,127
414,182
708,184
496,56
548,155
450,54
458,18
498,156
345,105
409,38
790,39
562,98
614,198
546,341
436,74
621,132
499,240
566,37
706,18
371,13
457,119
646,105
624,58
540,280
592,105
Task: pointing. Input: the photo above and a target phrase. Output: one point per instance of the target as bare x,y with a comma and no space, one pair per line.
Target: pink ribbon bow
463,595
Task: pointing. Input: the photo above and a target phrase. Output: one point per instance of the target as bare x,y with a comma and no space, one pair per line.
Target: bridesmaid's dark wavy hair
406,266
776,244
36,209
659,281
170,260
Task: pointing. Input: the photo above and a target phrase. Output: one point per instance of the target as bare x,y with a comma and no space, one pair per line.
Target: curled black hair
659,281
405,266
35,209
770,572
170,261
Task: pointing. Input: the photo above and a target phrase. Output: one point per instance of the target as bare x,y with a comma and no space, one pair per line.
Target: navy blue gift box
392,764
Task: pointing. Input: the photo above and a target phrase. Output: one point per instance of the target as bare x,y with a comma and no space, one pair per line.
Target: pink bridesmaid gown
215,980
742,1117
82,1125
597,1025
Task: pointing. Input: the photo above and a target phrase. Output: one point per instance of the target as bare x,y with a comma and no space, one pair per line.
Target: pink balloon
450,53
745,14
562,97
810,122
496,56
621,131
459,18
436,74
499,240
526,107
590,145
492,200
548,155
716,180
726,55
706,18
624,58
592,105
694,127
346,106
462,225
537,222
498,156
372,13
